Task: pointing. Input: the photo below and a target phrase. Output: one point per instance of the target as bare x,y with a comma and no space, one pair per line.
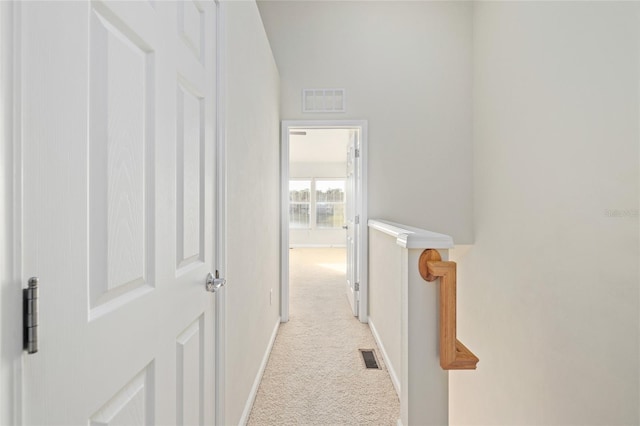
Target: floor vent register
369,357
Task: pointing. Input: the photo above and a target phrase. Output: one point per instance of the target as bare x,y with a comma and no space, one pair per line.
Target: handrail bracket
453,354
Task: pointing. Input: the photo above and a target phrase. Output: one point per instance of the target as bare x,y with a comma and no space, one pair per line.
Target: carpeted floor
315,374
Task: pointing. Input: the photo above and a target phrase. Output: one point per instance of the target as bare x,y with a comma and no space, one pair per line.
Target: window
316,203
299,202
329,203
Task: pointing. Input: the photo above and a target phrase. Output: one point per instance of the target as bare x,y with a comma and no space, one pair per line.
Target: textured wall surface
406,68
253,208
548,295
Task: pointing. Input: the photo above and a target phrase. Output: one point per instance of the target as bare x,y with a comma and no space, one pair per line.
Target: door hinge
356,287
30,313
357,219
357,153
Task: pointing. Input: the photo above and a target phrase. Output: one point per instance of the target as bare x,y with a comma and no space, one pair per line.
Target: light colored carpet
315,374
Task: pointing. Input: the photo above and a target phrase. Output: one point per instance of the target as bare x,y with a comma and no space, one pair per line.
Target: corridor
315,374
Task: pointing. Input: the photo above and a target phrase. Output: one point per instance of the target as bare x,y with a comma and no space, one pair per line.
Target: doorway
323,195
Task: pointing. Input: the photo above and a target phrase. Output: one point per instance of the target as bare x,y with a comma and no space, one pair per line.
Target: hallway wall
548,295
253,212
406,68
548,91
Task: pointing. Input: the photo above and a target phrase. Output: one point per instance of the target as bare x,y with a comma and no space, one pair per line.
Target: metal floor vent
369,357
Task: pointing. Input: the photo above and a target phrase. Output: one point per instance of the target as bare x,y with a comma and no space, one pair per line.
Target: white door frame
11,231
361,208
221,211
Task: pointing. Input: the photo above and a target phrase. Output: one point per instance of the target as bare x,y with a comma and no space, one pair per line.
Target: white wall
548,295
406,67
316,169
385,299
301,238
253,202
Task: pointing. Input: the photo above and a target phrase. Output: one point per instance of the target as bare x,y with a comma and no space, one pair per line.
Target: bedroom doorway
323,193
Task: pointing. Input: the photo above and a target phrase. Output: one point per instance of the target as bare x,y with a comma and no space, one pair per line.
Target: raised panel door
117,142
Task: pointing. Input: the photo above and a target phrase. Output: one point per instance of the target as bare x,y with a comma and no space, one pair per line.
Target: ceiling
319,146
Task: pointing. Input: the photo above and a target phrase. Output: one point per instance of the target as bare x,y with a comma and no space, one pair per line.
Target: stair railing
453,354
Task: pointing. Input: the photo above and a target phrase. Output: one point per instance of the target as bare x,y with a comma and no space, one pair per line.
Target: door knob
213,284
345,226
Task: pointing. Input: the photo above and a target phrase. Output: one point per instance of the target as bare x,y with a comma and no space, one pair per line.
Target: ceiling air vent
323,100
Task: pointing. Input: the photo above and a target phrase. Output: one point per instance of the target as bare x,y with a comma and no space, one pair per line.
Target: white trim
11,398
412,238
221,214
387,361
284,222
256,383
361,207
399,422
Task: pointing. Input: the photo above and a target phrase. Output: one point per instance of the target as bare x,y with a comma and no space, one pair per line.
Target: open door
118,163
355,211
352,219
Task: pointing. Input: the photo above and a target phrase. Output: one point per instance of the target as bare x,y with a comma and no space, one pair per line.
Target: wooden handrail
453,354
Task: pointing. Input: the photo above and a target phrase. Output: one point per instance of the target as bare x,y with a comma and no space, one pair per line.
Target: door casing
220,228
361,208
10,248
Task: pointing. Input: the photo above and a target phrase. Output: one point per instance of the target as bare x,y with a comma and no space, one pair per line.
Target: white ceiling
319,146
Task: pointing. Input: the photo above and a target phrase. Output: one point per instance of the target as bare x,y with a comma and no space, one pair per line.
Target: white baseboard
387,362
256,383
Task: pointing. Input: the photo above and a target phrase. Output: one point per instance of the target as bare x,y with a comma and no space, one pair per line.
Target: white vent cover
323,100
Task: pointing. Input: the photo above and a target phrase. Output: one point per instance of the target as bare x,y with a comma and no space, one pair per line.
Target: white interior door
352,221
117,136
